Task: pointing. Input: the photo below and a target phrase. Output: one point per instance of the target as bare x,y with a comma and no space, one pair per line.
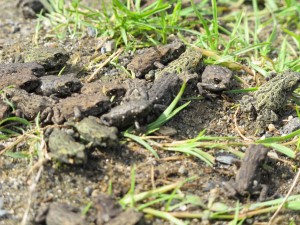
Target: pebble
88,191
291,126
2,211
182,170
167,131
271,127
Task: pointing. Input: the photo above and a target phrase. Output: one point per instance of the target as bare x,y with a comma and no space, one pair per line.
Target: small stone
109,46
2,211
182,170
271,127
291,126
167,131
95,193
88,191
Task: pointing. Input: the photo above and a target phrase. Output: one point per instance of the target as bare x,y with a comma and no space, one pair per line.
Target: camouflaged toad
270,98
190,61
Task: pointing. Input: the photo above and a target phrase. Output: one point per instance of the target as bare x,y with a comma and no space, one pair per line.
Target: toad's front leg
58,117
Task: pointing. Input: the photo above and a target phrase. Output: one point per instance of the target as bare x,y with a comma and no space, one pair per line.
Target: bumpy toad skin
79,106
215,79
65,149
190,61
270,98
164,89
92,131
144,62
59,86
161,93
126,114
28,105
136,89
49,58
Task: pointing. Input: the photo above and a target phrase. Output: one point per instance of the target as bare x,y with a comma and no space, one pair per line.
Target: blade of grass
141,142
168,113
164,215
282,149
141,196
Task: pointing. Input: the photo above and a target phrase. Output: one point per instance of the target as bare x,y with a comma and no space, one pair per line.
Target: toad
214,80
59,213
127,114
50,58
188,62
59,86
136,109
64,148
79,106
247,180
29,105
147,60
120,90
270,98
92,131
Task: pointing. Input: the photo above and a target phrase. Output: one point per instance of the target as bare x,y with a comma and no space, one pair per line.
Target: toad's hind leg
268,116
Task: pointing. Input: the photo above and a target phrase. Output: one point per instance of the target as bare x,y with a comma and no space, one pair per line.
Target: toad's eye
217,80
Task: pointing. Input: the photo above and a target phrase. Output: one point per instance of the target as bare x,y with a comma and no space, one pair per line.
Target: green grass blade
17,155
208,159
15,119
141,142
215,23
204,24
168,113
279,139
164,215
141,196
246,90
282,149
154,126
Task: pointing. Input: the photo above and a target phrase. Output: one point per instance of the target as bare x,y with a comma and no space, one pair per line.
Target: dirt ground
22,194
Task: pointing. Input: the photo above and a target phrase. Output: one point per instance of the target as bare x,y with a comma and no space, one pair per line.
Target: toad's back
273,94
189,61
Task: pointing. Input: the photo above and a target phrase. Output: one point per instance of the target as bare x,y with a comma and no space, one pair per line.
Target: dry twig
110,58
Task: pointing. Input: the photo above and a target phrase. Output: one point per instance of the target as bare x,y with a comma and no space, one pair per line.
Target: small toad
138,108
247,180
29,105
58,86
270,98
188,62
64,148
214,80
92,131
147,60
79,106
30,68
127,114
